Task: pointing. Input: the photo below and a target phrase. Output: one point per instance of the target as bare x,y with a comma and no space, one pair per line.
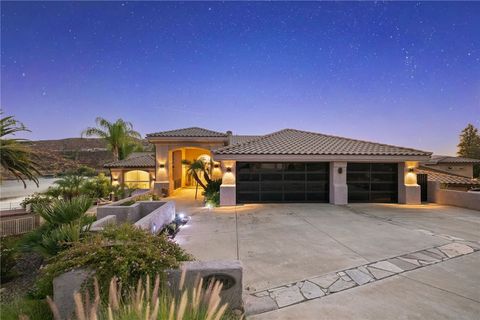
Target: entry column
408,190
228,188
162,181
338,183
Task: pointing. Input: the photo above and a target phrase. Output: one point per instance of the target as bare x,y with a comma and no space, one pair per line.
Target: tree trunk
195,176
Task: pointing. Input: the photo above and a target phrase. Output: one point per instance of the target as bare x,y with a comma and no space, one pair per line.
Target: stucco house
285,166
455,165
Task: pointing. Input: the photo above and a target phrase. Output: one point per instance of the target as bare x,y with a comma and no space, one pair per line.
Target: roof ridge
172,131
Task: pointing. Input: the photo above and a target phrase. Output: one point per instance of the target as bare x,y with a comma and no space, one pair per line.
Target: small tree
469,146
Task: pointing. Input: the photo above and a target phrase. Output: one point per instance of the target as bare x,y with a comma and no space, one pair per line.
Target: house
455,165
285,166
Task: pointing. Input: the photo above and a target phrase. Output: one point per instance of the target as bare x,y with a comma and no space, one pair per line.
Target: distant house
455,165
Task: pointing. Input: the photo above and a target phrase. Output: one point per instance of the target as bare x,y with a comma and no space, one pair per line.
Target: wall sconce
115,179
340,170
216,165
229,169
411,169
161,165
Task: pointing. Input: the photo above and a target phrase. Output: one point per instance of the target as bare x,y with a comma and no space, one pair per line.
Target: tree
197,167
16,157
118,135
469,146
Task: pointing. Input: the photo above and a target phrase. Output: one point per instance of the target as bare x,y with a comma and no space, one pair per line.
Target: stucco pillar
228,188
408,190
338,183
162,182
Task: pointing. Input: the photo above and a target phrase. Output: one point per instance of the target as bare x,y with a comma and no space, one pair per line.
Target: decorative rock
256,305
437,252
402,264
261,294
473,244
410,260
364,270
325,281
385,265
379,274
311,291
423,258
287,296
358,276
455,249
340,285
434,254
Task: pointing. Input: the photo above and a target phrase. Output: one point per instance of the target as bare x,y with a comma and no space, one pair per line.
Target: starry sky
400,73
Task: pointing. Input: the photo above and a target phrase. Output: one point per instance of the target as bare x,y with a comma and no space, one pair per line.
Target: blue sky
400,73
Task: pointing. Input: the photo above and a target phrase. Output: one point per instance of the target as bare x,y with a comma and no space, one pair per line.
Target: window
137,179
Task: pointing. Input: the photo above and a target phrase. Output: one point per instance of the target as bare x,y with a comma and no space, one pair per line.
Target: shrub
32,309
122,251
97,187
67,187
35,199
65,222
8,255
212,192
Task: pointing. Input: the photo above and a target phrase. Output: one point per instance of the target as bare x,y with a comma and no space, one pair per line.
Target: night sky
400,73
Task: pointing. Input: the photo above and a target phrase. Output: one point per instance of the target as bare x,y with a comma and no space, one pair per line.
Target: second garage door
372,182
282,182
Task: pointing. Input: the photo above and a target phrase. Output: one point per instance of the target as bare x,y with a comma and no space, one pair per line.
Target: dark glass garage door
282,182
372,182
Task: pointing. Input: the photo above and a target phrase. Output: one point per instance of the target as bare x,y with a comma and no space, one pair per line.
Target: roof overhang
317,158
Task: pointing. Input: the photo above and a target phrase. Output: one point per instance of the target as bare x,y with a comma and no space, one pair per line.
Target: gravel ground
27,267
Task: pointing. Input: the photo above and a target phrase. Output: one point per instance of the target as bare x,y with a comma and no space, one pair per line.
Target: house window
137,179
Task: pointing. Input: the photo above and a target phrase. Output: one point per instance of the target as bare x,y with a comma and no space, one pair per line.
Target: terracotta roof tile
188,132
296,142
448,159
235,139
141,161
443,177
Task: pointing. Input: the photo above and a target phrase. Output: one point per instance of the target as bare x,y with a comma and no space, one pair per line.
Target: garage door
372,182
282,182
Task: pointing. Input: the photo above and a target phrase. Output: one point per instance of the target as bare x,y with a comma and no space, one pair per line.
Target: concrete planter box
147,215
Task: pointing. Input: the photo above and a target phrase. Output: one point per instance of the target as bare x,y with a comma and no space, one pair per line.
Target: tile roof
296,142
448,159
234,139
189,132
140,161
447,178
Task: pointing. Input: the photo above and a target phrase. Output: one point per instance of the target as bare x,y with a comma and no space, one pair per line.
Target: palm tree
16,157
197,167
119,136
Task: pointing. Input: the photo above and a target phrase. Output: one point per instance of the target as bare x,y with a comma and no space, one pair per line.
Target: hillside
58,156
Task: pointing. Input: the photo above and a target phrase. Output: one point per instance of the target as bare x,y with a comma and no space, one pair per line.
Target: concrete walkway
280,244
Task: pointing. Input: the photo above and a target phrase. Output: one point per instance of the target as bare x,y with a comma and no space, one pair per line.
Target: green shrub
35,199
212,192
97,187
33,309
65,222
122,251
8,257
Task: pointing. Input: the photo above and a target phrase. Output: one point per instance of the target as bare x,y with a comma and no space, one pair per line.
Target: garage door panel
372,182
282,182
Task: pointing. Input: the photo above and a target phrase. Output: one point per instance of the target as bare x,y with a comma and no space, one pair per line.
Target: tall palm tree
15,156
119,136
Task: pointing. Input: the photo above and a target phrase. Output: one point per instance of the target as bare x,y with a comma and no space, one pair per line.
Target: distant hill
58,156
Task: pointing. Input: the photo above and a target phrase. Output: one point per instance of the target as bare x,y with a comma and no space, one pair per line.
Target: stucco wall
469,200
154,220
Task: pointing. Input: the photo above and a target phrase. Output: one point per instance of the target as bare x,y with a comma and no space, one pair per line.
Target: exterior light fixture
215,165
340,170
411,170
162,165
229,169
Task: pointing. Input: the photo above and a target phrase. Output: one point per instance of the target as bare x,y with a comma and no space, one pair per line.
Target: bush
8,256
212,192
35,199
65,222
33,309
97,187
122,251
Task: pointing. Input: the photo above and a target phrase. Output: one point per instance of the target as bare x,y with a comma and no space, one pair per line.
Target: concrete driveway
285,243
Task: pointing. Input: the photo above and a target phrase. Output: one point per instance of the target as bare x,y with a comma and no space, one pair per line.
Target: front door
177,169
